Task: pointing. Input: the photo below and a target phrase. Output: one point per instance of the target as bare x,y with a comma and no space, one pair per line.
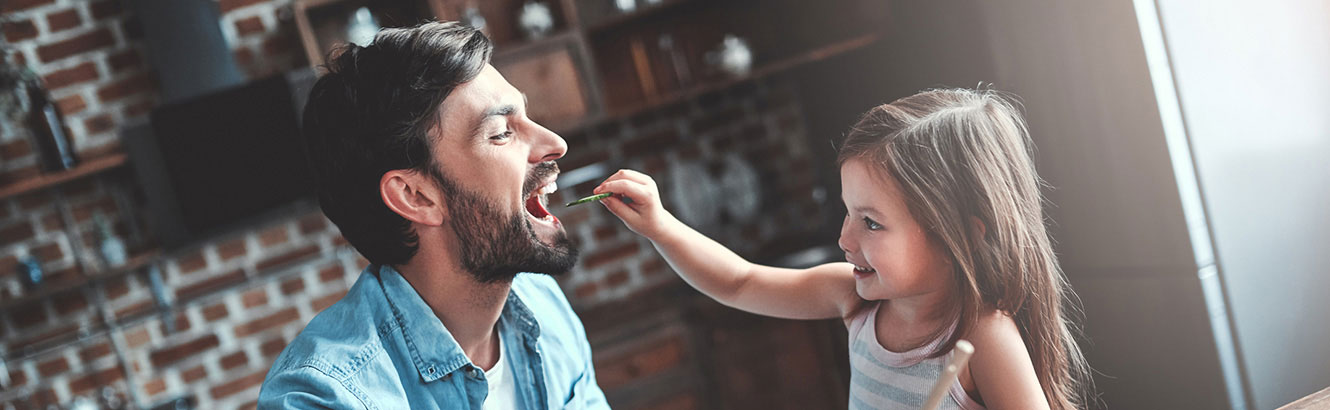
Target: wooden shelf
84,169
764,70
44,291
635,15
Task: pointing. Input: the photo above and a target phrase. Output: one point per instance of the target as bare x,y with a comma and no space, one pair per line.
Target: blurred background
159,245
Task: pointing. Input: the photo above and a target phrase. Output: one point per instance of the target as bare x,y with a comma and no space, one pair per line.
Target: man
427,163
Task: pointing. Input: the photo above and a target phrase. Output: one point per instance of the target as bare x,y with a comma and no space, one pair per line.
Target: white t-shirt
502,391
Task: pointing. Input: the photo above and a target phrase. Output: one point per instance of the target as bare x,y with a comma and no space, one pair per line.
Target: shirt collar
433,349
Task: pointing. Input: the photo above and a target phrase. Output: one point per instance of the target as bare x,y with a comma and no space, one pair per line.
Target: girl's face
893,255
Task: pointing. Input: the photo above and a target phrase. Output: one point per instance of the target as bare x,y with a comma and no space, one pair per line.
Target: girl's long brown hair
961,155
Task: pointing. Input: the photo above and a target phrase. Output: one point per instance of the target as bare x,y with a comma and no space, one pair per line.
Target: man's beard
494,247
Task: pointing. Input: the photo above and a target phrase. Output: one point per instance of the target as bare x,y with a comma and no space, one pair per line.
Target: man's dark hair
371,113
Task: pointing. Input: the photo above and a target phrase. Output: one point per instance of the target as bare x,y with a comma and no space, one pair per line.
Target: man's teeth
549,188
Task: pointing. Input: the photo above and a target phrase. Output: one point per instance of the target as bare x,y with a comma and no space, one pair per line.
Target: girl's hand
641,210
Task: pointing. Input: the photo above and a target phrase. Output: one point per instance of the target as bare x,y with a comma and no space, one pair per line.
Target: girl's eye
505,135
871,224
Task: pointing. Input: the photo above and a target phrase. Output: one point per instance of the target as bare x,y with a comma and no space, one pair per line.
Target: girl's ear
977,227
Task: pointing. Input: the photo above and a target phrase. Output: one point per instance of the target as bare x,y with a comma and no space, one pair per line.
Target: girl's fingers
638,193
632,175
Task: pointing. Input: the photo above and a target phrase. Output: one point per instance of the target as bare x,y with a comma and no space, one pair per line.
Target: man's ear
414,196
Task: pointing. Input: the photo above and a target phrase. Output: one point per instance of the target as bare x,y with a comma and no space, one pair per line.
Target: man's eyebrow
496,111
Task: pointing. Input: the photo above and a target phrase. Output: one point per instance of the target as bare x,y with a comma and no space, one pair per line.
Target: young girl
944,240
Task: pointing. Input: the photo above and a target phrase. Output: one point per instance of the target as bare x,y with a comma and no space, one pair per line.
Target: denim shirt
382,347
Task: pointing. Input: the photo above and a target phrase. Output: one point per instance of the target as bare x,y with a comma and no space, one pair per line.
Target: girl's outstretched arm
820,292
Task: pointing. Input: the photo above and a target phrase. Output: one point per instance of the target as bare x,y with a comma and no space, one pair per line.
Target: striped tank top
883,379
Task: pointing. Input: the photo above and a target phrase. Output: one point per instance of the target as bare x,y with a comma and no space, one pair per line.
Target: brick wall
237,300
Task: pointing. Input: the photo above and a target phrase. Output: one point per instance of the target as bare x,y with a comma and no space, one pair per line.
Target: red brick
243,56
279,318
617,278
19,30
618,371
181,323
604,232
231,249
254,298
324,302
117,287
95,352
28,315
585,290
42,399
69,302
313,223
17,377
273,236
272,347
154,387
80,44
15,233
53,367
95,380
247,26
133,85
16,5
214,312
170,355
238,385
194,262
233,360
20,58
228,5
137,109
210,285
278,45
15,149
137,337
331,273
294,285
98,124
63,20
70,105
193,374
654,266
123,60
610,255
105,8
286,258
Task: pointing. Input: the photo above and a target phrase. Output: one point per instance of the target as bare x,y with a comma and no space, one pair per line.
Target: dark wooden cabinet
600,63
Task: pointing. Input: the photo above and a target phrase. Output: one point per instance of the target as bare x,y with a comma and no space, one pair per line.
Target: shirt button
475,373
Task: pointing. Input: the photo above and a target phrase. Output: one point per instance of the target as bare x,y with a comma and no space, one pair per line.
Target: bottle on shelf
47,125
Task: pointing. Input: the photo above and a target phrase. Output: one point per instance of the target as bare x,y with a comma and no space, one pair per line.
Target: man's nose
546,145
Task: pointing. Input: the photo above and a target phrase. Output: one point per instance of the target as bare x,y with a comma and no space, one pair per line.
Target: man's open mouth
536,203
